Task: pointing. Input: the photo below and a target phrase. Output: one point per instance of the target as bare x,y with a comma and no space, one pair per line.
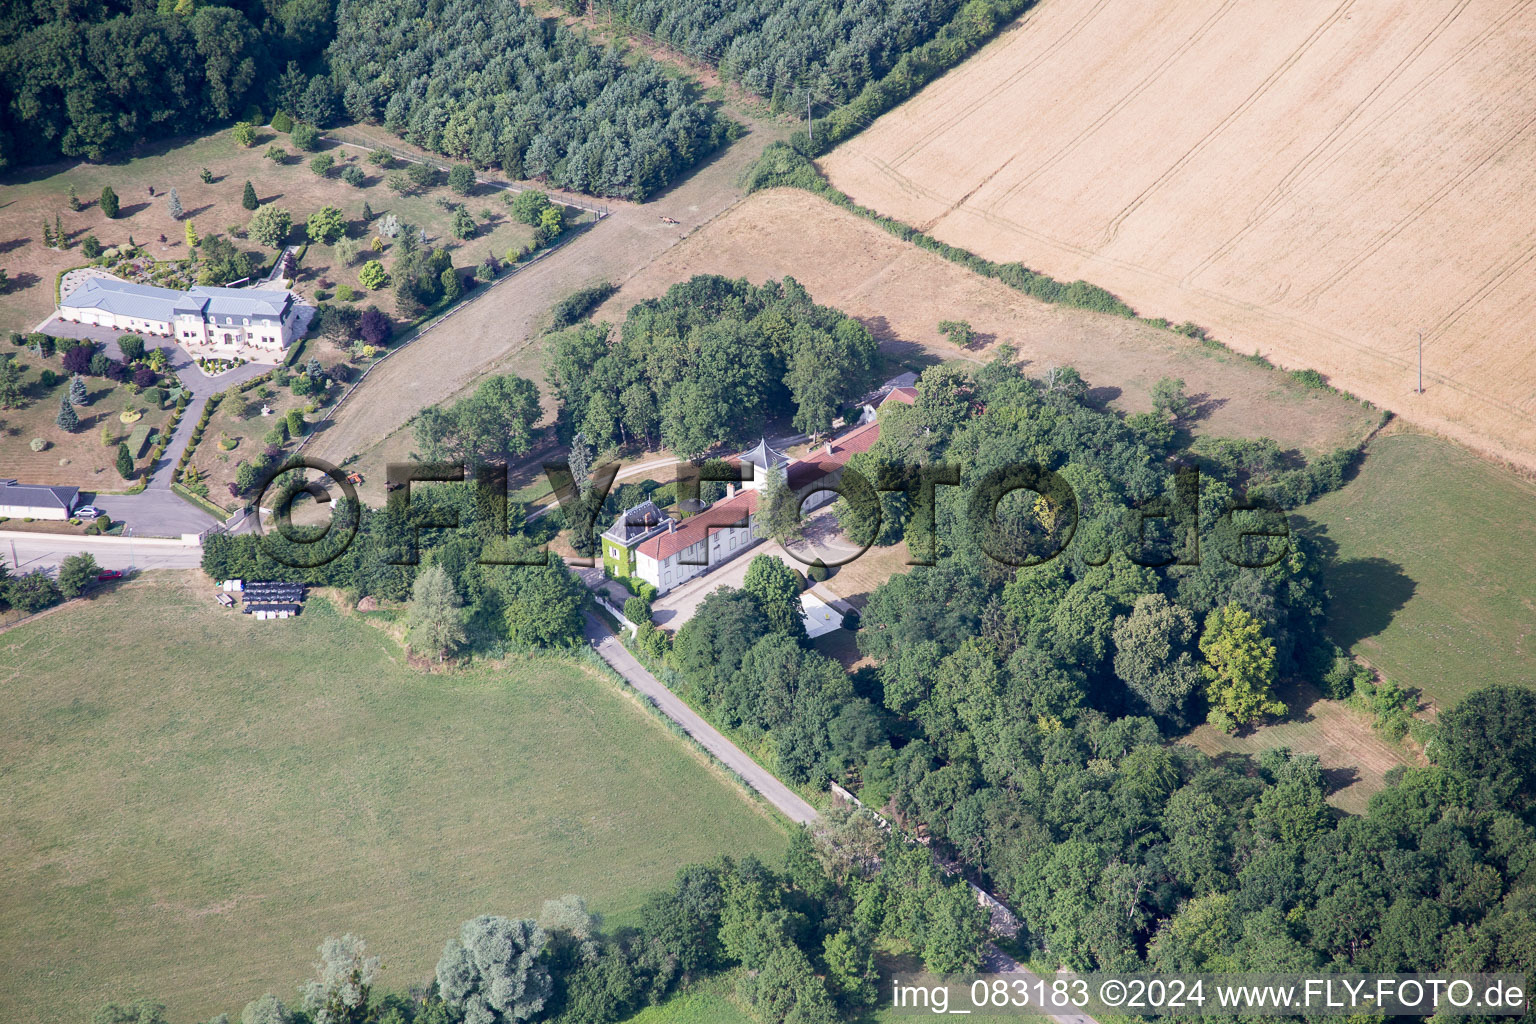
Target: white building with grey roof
250,323
36,501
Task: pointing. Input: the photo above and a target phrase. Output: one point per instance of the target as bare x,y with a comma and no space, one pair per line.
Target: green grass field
1434,572
192,800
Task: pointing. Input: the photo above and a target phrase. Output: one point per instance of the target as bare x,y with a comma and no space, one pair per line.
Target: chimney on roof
671,525
730,489
829,446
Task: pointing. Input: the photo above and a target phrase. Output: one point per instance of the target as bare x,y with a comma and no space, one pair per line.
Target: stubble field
1316,181
901,292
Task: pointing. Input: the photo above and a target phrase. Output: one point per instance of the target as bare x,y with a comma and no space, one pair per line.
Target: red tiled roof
821,462
906,396
732,510
719,515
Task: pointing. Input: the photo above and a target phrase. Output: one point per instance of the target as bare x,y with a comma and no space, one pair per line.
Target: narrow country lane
726,752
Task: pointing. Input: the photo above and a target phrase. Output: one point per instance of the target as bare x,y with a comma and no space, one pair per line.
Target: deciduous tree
270,226
1239,667
492,974
437,617
76,574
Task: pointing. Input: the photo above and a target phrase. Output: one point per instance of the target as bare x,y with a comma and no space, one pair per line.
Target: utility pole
810,131
1421,363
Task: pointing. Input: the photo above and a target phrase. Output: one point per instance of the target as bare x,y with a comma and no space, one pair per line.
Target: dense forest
87,79
852,61
493,83
1021,716
776,49
707,363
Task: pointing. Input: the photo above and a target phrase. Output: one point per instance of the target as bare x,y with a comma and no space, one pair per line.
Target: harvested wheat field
1317,181
901,292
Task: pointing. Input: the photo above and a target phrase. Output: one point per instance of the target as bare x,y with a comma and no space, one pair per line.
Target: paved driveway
154,512
157,511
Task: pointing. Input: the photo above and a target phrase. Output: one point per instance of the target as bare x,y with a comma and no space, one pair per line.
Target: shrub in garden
322,164
282,122
372,275
637,610
124,462
306,137
32,592
423,175
109,202
77,360
145,377
461,179
374,327
132,347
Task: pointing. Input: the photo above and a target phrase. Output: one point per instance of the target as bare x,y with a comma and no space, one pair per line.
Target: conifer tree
67,420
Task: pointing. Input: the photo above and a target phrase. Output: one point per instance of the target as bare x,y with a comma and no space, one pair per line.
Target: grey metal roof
635,524
124,298
243,301
901,380
765,456
38,495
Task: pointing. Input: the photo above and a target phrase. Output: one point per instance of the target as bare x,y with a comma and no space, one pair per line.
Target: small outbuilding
267,599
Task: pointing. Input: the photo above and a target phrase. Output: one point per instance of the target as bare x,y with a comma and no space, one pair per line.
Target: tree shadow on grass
1364,594
1340,777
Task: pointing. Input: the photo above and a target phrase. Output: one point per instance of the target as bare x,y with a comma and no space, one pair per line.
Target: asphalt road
730,755
25,552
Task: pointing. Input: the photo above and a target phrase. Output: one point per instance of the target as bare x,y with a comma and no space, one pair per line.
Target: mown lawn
1433,573
192,800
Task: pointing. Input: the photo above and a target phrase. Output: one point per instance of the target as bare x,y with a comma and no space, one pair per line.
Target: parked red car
107,575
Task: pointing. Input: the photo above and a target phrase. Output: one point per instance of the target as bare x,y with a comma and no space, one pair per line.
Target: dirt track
1317,181
494,333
